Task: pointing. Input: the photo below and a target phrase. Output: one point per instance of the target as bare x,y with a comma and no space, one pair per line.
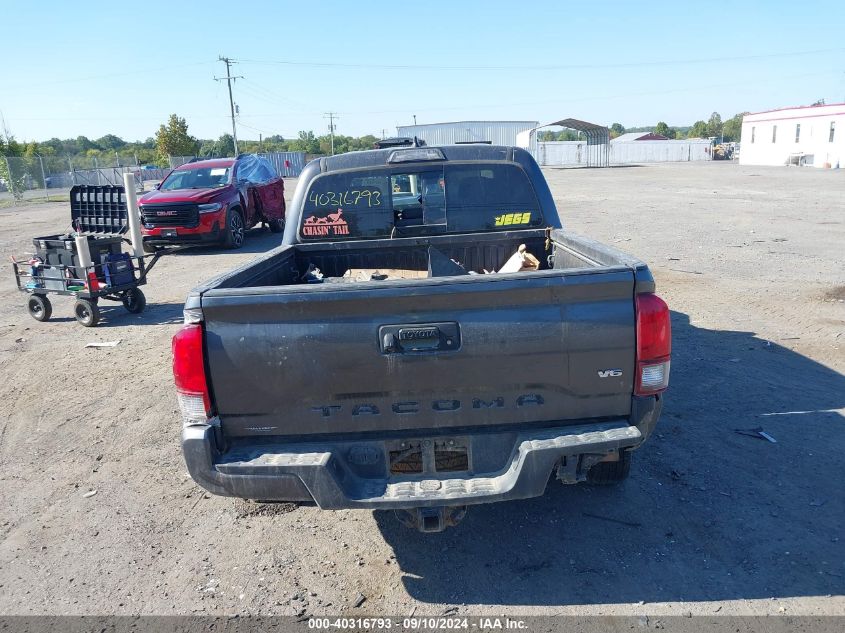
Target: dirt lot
752,262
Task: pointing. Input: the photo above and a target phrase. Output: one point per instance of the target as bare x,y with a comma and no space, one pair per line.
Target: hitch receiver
431,519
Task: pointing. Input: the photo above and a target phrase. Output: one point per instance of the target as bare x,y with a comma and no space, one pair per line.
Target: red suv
213,201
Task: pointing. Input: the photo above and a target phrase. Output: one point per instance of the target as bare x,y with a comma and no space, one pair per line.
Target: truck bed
292,359
485,252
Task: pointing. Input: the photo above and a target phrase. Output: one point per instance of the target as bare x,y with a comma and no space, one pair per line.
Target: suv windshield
196,178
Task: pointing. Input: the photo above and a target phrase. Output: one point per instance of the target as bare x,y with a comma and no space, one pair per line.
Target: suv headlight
209,208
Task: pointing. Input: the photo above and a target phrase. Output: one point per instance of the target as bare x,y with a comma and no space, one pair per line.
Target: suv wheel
235,231
276,226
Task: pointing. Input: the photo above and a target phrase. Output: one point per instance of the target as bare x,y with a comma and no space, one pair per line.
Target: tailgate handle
419,338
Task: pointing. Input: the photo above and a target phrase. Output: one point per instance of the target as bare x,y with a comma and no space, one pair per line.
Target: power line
229,80
469,106
274,96
123,73
331,116
665,62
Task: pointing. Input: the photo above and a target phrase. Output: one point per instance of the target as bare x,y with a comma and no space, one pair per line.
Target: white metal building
623,152
626,152
494,132
806,135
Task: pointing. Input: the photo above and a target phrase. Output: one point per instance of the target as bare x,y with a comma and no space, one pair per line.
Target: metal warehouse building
638,147
494,132
807,135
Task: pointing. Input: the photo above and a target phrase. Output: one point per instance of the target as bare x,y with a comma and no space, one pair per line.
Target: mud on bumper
323,472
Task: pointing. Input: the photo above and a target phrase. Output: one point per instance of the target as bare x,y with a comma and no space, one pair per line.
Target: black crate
99,209
60,250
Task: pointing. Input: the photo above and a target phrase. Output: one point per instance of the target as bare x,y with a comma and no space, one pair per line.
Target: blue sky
91,68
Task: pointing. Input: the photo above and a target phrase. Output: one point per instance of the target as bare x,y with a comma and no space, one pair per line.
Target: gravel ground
749,258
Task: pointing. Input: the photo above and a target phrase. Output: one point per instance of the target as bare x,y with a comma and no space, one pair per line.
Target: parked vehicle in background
213,201
402,350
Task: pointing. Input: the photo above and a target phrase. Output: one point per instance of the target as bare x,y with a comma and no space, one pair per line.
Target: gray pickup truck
385,357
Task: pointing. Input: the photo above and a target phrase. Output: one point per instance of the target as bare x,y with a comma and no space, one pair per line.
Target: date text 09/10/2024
421,623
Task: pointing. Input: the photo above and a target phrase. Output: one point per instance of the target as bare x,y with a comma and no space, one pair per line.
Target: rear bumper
323,472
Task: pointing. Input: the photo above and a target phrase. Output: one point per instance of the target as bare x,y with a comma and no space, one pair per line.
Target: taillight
654,345
189,374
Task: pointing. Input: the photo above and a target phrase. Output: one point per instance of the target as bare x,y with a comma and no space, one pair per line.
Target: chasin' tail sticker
331,224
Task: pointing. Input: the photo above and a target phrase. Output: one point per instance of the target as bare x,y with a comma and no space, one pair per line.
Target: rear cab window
420,199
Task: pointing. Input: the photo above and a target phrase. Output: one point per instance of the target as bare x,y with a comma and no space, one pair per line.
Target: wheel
134,300
235,232
276,226
86,312
39,307
608,473
149,249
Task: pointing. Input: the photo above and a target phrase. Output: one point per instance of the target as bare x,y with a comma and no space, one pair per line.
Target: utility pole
331,116
415,119
229,78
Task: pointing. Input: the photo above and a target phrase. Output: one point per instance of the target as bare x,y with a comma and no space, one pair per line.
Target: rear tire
134,300
276,226
609,473
149,249
86,312
235,232
39,307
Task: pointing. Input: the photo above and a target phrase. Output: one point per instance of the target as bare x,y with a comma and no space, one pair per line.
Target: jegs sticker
513,219
331,224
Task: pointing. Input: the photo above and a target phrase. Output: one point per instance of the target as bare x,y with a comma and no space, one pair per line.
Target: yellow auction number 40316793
510,219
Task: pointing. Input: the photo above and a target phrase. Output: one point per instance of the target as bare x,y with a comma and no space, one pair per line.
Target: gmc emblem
161,213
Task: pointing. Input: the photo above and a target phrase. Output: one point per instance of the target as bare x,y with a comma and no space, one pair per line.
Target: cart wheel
134,300
39,307
86,312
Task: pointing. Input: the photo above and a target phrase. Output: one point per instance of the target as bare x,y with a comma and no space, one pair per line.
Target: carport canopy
598,139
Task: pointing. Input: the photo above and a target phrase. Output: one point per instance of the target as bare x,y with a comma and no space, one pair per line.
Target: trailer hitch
431,519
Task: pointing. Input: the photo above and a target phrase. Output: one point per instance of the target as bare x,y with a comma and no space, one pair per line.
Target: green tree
12,172
111,142
226,145
306,142
732,129
83,144
714,125
662,128
617,129
173,139
568,135
698,130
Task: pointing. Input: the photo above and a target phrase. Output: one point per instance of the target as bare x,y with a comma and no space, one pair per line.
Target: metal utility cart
90,263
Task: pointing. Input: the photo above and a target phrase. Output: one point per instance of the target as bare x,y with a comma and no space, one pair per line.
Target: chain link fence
31,178
287,164
37,178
